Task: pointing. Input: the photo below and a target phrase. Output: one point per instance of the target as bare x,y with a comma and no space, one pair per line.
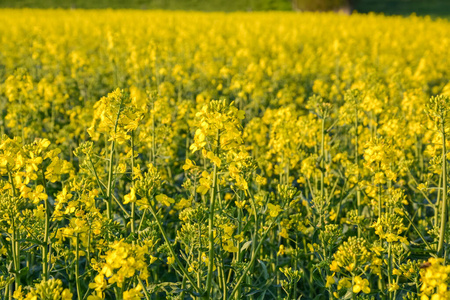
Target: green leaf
264,269
246,245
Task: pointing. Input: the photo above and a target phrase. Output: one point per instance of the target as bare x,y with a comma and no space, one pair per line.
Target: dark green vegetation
405,7
389,7
202,5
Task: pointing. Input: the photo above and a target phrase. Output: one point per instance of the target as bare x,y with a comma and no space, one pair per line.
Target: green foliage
389,7
319,5
201,5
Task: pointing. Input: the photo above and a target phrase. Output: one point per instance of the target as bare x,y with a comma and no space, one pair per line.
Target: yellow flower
38,194
344,283
153,259
18,294
239,237
421,187
261,180
131,197
274,210
393,287
330,281
164,199
350,267
133,294
240,204
99,283
397,272
216,160
170,260
334,266
205,183
107,270
188,165
230,247
66,295
361,285
284,233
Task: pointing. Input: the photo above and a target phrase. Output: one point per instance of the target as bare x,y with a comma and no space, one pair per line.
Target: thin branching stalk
390,268
358,191
77,265
15,247
239,254
172,251
250,264
111,165
322,160
211,224
100,184
444,206
147,296
133,204
46,230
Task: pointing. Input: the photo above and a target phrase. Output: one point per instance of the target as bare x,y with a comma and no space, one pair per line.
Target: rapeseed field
185,155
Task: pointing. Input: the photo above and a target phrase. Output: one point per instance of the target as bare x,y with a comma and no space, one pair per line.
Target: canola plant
184,155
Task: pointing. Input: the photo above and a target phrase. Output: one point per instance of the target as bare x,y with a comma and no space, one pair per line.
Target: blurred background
389,7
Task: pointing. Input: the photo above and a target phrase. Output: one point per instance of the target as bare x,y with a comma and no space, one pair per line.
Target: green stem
153,134
444,194
353,283
15,255
211,234
437,205
224,280
417,230
96,175
144,289
46,231
15,251
211,224
133,204
172,251
390,268
358,192
239,254
77,266
322,161
379,201
110,171
142,220
183,288
199,269
252,261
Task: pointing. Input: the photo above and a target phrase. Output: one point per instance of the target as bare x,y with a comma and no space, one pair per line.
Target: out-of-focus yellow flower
361,285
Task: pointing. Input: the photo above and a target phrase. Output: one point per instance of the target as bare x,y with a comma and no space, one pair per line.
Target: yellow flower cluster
121,262
50,289
435,279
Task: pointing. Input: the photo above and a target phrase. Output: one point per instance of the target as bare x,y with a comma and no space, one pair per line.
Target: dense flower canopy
181,155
